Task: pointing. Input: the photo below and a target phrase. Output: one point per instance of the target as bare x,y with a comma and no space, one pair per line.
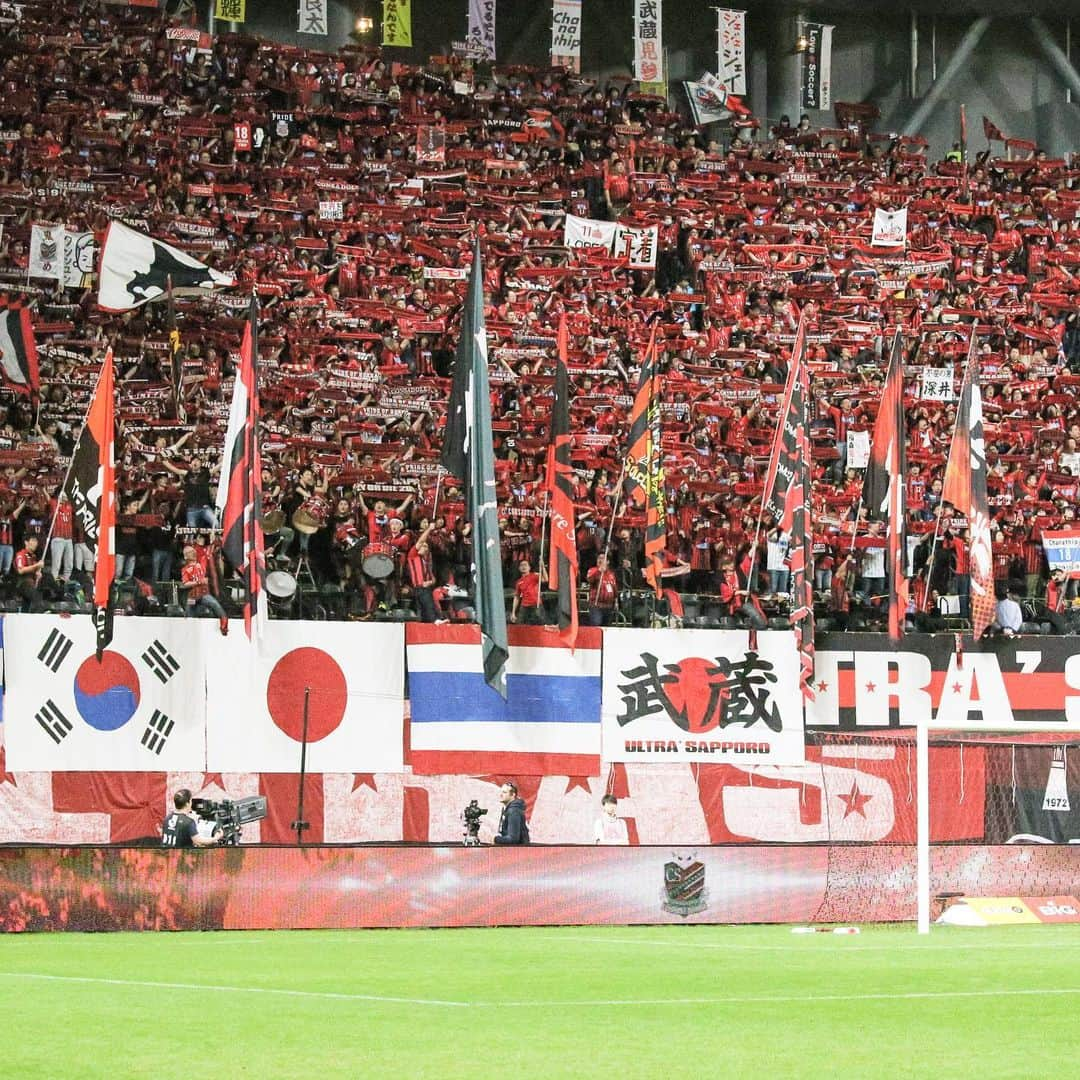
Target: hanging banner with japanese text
482,27
637,245
731,49
230,10
817,67
313,17
397,23
708,696
566,34
937,384
648,41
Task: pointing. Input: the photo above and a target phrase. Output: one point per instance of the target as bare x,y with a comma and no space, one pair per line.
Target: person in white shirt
610,830
1009,617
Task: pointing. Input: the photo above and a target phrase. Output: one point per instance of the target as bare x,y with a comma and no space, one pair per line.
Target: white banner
731,49
890,228
858,449
937,383
579,232
620,241
697,695
353,676
313,17
566,34
648,41
47,251
482,26
141,709
331,209
80,257
704,104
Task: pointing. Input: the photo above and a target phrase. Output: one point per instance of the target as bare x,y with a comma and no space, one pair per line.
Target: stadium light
364,24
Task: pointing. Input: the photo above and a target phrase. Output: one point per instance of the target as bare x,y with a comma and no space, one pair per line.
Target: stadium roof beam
1055,54
972,36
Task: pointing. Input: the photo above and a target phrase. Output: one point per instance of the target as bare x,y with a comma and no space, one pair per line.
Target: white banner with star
702,695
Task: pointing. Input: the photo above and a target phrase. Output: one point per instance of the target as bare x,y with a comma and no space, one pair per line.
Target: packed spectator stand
358,252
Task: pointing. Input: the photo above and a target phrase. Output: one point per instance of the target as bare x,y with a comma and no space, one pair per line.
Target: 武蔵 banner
648,41
731,49
696,695
566,34
817,67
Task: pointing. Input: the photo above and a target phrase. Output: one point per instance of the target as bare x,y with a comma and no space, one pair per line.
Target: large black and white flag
136,268
141,708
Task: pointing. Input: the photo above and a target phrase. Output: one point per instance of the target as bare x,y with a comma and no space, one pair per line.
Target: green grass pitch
696,1001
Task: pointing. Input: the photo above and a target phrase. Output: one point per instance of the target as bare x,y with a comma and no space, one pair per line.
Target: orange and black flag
884,483
90,485
645,465
965,489
787,498
563,563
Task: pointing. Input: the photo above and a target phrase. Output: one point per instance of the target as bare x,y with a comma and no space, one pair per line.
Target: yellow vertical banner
397,22
230,10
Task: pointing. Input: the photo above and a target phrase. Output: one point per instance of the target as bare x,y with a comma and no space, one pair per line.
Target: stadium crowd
346,190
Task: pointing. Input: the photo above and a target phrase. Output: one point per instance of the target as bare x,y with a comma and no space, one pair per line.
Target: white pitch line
322,994
745,999
850,946
801,999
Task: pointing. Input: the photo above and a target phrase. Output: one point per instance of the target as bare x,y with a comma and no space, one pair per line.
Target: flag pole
948,456
543,534
614,509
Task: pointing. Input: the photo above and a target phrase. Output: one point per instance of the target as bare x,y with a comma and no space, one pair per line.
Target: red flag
884,483
965,489
563,565
645,468
240,494
18,351
787,497
992,131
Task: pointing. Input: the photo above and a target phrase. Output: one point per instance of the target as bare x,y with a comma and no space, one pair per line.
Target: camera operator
512,826
179,829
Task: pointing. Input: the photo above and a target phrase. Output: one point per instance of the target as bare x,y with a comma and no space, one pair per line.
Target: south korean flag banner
716,696
349,678
141,709
136,268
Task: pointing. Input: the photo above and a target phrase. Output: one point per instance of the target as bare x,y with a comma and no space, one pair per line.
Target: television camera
227,816
472,815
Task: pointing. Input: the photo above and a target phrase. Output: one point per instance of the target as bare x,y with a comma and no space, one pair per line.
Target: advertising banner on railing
702,695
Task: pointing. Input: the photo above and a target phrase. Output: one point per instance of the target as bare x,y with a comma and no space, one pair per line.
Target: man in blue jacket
512,827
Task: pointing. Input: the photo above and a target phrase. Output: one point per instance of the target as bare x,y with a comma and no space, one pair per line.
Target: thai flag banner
549,723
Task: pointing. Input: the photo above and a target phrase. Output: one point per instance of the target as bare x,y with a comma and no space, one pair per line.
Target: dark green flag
468,455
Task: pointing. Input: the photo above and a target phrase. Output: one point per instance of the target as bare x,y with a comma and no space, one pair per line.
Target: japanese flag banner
140,709
708,696
352,678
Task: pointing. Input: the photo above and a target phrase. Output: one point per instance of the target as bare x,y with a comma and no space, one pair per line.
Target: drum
280,585
378,560
272,522
311,515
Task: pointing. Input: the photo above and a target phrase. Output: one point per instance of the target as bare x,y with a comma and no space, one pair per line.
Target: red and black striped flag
240,493
787,498
90,486
965,489
563,564
18,352
645,466
884,483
